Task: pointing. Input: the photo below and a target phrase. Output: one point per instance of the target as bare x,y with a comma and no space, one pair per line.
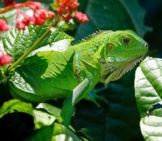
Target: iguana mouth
114,73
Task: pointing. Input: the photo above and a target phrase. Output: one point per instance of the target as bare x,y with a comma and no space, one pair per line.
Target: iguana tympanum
71,74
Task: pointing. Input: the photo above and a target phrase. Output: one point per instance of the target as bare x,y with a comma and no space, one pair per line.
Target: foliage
148,96
116,120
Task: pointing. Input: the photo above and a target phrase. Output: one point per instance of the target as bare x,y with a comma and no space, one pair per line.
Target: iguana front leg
68,105
93,95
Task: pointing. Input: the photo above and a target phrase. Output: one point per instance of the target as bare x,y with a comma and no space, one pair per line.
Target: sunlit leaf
148,91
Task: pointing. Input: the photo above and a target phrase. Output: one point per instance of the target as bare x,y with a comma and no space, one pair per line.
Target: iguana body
74,72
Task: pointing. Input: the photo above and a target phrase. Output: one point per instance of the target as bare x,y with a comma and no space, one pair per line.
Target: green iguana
72,73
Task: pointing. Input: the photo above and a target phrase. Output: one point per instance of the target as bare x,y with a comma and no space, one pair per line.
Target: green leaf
57,41
48,130
41,118
30,77
148,92
151,126
44,133
17,42
116,15
54,5
148,84
50,109
55,132
10,17
15,105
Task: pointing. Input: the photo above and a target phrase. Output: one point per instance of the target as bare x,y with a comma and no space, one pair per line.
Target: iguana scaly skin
104,57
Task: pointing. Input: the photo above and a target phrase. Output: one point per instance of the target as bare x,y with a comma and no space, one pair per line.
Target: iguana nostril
146,45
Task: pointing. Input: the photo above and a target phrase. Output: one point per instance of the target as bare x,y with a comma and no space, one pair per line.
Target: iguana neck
111,71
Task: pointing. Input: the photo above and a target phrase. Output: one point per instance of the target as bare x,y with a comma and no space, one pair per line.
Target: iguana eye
126,40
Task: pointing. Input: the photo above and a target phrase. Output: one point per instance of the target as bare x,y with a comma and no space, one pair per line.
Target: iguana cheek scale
72,73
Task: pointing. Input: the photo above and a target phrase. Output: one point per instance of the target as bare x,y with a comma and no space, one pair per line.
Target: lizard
104,57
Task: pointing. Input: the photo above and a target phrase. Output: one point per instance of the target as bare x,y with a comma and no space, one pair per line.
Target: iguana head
122,51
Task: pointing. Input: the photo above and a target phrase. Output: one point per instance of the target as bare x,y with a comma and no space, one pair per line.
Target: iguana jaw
117,72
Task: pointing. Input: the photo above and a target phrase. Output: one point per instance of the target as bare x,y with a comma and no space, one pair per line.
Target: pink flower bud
3,25
4,59
81,17
20,25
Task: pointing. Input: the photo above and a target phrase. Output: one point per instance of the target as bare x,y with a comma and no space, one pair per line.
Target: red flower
74,5
38,18
20,25
67,17
81,17
28,19
3,26
4,59
66,8
50,14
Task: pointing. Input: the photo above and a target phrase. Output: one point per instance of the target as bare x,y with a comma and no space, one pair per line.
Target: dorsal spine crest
93,35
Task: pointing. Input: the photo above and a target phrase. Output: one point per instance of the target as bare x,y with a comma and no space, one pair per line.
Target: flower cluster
68,10
4,58
38,18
